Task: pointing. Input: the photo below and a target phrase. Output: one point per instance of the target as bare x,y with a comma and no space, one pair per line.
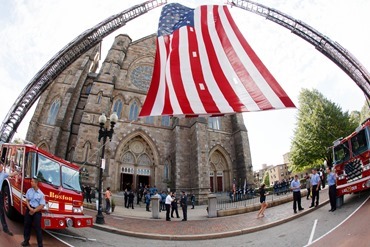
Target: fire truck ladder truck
335,52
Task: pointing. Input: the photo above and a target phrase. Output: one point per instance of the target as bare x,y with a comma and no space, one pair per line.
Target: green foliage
266,179
319,123
365,112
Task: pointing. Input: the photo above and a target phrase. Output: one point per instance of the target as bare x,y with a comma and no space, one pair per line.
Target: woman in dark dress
262,201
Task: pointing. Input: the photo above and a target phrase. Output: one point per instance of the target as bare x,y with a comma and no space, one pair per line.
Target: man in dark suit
184,206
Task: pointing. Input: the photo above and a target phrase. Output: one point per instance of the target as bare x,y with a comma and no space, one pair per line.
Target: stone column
212,203
155,206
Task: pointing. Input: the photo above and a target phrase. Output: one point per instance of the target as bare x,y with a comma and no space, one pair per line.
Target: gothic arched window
88,89
100,95
117,108
53,112
87,148
134,110
214,123
166,171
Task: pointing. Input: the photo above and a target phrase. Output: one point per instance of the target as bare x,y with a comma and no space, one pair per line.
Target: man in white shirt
168,205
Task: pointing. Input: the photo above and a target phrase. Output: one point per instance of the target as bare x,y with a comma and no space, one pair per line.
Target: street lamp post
104,133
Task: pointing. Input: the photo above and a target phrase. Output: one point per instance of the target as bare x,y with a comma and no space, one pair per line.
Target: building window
53,112
100,94
166,171
149,120
87,148
166,121
88,89
214,123
118,108
133,111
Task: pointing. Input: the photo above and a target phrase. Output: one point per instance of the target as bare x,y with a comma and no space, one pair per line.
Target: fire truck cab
59,180
351,160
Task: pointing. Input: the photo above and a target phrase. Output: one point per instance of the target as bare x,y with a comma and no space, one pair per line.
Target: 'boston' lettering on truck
59,180
60,196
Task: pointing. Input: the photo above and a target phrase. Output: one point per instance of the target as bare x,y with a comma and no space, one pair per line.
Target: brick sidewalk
137,222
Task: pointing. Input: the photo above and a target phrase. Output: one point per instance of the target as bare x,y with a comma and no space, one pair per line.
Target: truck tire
9,209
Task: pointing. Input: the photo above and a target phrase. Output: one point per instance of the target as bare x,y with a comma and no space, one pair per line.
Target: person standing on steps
263,202
295,185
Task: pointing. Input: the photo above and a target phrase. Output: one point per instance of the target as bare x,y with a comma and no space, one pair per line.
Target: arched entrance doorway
219,175
137,164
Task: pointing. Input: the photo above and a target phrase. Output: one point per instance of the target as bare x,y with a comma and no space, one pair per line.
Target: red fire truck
59,181
351,160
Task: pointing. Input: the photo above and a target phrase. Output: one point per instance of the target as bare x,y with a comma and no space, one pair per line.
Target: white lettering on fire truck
349,189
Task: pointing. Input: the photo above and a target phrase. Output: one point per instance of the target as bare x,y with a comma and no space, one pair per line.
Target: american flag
204,66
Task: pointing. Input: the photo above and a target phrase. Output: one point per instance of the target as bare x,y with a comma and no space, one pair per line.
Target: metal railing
225,201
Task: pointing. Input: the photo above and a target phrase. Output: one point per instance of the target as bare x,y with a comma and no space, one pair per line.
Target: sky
32,32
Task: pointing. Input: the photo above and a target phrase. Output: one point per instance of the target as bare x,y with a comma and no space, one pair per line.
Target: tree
365,112
266,179
319,123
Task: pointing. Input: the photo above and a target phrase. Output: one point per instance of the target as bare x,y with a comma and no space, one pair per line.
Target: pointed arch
100,95
43,145
137,146
53,112
87,149
134,111
128,158
220,166
117,107
88,88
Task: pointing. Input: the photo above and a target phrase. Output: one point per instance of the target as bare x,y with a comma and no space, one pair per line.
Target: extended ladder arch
65,57
55,66
334,51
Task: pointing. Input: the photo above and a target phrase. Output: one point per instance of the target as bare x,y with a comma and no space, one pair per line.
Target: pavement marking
70,236
312,232
64,242
339,223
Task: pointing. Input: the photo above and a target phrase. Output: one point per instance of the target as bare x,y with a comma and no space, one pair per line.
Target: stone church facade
199,155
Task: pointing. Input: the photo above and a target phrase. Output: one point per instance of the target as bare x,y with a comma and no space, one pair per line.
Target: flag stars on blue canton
173,17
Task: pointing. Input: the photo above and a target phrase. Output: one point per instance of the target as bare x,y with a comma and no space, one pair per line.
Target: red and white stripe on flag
210,69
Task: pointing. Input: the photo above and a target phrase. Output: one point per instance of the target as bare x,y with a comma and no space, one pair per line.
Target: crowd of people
314,182
168,201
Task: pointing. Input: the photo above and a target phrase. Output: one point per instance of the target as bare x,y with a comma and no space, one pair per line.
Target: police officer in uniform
184,206
35,203
332,178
